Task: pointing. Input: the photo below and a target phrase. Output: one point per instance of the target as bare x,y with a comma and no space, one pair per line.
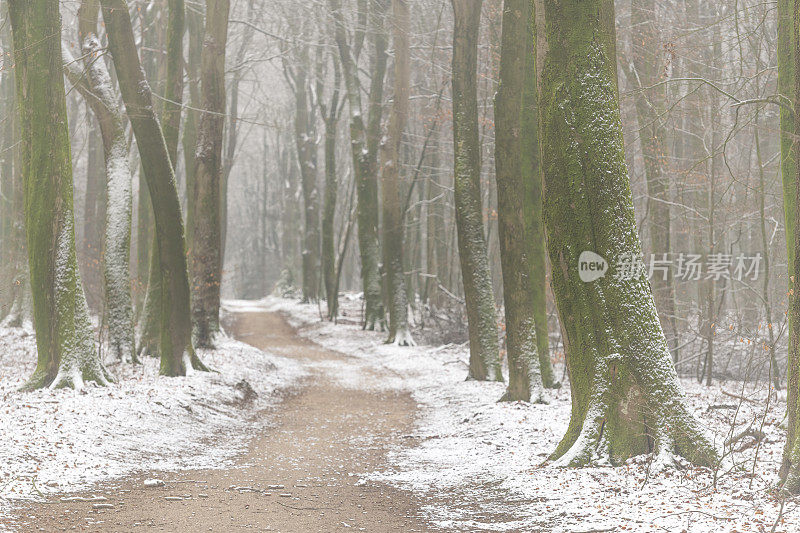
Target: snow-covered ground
63,440
467,451
490,455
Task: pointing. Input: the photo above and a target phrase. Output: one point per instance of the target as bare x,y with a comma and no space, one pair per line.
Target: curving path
296,476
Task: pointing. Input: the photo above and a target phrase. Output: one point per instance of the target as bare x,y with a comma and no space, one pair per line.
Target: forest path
320,434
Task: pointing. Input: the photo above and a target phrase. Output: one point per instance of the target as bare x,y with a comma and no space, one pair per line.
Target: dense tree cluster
451,162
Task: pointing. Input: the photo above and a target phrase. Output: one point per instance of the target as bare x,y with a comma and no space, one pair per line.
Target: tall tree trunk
651,105
368,207
532,167
330,115
233,130
177,353
790,469
787,43
150,333
205,252
195,29
145,236
393,200
626,397
173,95
91,247
305,136
481,313
16,305
94,81
514,210
67,356
364,142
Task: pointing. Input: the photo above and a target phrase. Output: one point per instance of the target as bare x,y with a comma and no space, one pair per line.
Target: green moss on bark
515,210
177,351
364,143
626,396
67,356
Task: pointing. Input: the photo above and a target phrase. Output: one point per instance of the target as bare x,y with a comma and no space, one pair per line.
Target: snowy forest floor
360,435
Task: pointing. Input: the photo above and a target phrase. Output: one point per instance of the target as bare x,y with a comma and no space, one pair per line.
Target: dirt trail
321,434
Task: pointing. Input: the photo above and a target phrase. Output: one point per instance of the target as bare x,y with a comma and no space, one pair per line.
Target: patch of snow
491,457
64,440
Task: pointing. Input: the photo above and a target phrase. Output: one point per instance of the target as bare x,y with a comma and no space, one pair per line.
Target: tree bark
195,29
331,113
626,397
149,333
296,68
393,200
177,352
478,295
514,210
67,356
94,81
16,306
787,44
651,106
364,142
790,470
90,251
532,167
207,237
173,94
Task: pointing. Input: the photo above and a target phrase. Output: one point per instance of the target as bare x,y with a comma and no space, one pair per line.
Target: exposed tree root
69,375
403,338
673,431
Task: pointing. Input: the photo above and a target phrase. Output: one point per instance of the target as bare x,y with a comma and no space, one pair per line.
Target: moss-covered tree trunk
150,34
207,237
790,469
481,313
626,397
364,143
67,356
787,42
367,190
149,323
393,200
651,104
514,211
177,353
93,80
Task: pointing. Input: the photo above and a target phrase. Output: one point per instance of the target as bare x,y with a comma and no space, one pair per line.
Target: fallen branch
738,397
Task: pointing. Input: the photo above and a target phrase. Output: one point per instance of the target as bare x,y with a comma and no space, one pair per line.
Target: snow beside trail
469,448
63,440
